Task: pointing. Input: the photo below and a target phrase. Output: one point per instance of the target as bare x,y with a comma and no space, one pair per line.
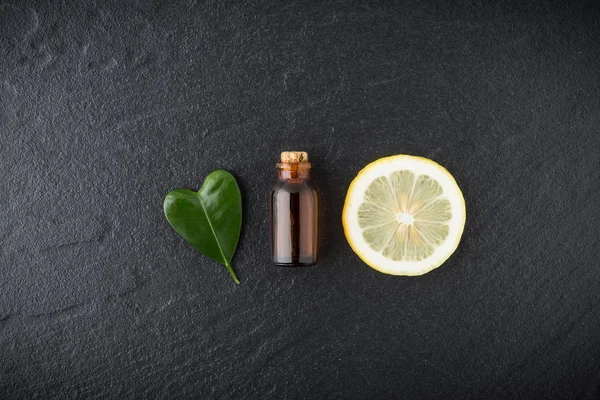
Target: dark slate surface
105,106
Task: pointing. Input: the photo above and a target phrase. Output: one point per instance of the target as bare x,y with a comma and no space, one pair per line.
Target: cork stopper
294,156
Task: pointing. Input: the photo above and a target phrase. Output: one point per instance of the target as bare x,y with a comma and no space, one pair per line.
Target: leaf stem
232,272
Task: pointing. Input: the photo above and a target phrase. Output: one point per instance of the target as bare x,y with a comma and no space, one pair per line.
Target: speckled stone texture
105,106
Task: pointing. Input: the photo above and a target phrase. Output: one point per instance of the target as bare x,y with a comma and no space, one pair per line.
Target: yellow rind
355,247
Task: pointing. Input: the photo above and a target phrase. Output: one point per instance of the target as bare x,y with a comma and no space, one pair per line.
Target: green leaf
210,219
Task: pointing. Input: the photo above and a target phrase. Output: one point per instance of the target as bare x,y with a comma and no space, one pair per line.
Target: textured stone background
107,105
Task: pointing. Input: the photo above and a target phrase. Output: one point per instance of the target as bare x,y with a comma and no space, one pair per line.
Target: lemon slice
404,215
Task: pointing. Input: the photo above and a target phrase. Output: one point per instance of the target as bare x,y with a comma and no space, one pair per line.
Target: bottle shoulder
287,187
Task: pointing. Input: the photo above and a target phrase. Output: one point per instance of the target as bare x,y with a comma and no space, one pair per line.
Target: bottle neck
296,172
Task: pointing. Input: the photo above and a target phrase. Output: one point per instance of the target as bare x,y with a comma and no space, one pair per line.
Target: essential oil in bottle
294,213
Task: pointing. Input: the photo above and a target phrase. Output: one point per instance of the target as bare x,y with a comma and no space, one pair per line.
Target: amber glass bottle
294,213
